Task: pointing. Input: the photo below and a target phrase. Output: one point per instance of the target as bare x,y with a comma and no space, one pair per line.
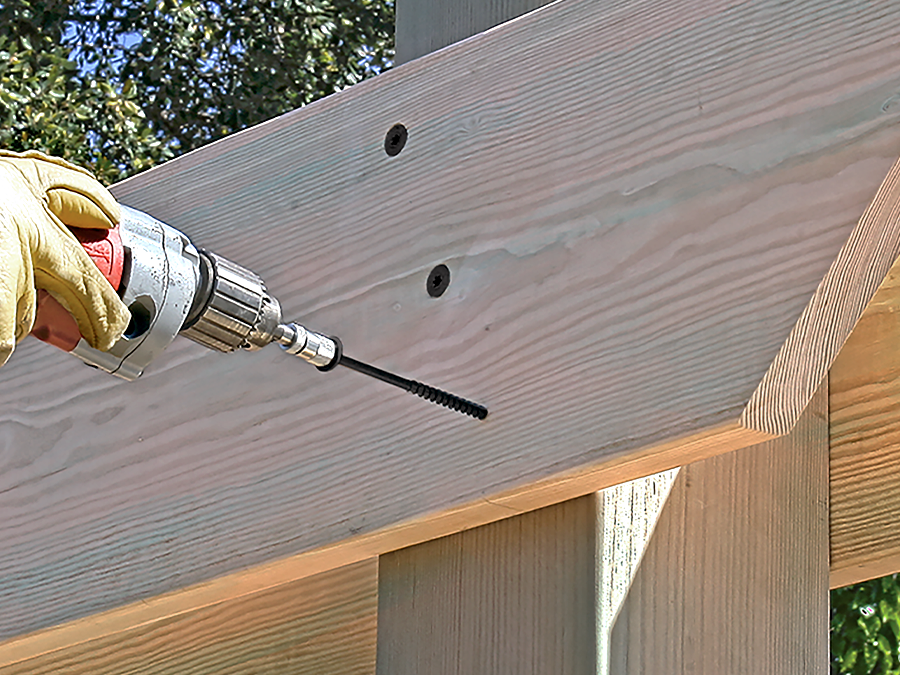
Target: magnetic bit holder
327,353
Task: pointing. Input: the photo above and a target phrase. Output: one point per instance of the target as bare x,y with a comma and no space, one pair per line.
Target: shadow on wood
735,577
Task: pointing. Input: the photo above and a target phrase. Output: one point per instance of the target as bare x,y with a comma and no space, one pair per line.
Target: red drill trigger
52,323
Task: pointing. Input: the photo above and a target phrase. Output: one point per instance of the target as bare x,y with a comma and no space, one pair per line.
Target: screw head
438,281
395,140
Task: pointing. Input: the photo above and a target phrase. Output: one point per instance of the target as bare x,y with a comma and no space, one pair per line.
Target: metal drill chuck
232,308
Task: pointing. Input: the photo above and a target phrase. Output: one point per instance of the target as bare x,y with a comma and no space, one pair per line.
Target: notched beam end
827,321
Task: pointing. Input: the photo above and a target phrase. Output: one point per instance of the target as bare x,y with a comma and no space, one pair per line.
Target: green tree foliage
865,628
46,103
119,85
205,69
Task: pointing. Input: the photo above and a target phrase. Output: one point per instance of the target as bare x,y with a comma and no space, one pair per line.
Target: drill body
171,287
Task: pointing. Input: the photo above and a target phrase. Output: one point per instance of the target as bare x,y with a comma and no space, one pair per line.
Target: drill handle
52,323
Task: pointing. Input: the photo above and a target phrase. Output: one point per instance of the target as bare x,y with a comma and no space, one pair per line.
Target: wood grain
735,577
627,518
511,598
826,323
865,443
323,625
426,26
635,200
271,576
719,567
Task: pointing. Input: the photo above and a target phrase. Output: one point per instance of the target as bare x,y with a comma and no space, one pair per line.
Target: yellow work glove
39,196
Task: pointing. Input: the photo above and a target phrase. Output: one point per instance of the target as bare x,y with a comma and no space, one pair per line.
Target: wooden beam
721,567
425,27
634,214
180,606
826,323
865,443
322,625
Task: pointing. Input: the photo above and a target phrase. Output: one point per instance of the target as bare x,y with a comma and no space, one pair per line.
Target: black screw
395,140
438,281
438,396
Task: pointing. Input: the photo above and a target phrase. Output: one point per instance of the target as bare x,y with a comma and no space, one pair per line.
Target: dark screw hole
438,281
395,140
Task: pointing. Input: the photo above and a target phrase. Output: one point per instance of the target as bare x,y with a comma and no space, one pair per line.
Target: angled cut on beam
636,202
832,313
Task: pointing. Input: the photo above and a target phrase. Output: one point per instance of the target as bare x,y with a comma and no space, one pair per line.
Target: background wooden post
509,598
424,26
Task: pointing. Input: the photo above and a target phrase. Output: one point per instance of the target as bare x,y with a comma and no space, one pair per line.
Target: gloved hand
39,196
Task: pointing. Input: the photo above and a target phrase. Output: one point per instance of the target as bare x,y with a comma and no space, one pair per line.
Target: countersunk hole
438,281
395,140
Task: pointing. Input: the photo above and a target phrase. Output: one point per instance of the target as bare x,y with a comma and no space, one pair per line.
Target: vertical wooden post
510,598
720,567
735,577
424,26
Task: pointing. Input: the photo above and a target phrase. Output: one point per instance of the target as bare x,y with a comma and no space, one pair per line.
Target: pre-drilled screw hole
438,281
395,140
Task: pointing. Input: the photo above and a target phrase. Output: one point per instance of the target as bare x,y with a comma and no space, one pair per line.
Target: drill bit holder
326,353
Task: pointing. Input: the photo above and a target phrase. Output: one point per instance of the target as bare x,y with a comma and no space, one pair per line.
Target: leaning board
635,201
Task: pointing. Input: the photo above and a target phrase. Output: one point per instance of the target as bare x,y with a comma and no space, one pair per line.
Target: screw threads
447,400
422,390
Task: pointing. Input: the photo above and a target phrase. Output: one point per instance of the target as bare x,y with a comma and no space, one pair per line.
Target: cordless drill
171,287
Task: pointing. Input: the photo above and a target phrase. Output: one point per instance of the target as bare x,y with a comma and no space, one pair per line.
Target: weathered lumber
826,323
735,576
515,596
425,27
865,443
321,625
726,572
636,202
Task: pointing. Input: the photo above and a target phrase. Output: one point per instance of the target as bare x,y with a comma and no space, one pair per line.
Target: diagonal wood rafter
635,215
